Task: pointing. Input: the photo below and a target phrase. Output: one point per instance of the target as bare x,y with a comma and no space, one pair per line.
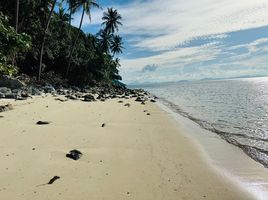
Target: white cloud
167,24
177,57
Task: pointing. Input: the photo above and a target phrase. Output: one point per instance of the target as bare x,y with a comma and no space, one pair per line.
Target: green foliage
10,44
91,60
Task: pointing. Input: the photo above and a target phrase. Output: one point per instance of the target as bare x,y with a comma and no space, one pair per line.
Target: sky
174,40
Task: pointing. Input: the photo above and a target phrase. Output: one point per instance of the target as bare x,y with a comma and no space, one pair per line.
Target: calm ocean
236,110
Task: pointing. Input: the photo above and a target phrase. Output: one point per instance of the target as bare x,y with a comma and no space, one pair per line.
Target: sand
134,156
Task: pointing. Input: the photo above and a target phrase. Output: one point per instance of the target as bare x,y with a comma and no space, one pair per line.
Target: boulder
88,97
9,82
5,90
49,89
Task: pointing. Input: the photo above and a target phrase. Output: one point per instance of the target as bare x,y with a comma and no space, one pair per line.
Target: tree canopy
92,57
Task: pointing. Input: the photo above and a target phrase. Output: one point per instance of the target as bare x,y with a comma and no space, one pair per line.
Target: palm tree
112,20
86,6
104,40
44,38
64,17
72,5
116,45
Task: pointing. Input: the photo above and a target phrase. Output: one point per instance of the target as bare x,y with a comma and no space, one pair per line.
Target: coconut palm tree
72,5
112,20
104,40
64,17
44,37
116,45
86,6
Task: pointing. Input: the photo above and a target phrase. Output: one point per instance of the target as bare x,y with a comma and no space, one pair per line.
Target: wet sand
228,159
134,156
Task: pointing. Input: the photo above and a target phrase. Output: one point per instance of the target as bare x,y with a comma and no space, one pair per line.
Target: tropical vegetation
37,38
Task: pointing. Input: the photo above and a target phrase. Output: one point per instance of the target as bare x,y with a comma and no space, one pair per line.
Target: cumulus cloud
168,28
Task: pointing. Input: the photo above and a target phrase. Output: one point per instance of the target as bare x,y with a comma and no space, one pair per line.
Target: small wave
257,154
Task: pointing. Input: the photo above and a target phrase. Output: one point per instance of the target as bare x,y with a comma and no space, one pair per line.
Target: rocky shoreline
11,88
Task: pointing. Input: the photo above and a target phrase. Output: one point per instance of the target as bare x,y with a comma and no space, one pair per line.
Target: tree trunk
17,15
16,26
73,46
44,39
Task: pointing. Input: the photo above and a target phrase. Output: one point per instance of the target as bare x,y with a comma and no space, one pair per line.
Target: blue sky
189,39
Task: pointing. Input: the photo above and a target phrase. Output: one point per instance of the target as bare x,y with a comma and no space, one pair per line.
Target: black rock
49,89
6,108
5,90
88,97
25,94
138,99
103,125
21,98
72,97
152,100
11,96
127,104
74,154
9,82
53,180
42,122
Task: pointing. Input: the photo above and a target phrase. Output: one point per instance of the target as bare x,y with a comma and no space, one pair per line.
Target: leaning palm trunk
73,46
44,39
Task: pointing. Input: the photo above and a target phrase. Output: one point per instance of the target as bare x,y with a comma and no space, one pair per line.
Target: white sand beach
134,156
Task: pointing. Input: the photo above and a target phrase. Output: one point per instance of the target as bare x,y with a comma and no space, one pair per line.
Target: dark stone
148,114
2,95
88,97
25,94
5,90
72,97
6,108
11,96
20,98
34,91
42,122
51,181
74,154
61,100
138,99
120,102
152,100
9,82
143,102
127,104
49,89
103,125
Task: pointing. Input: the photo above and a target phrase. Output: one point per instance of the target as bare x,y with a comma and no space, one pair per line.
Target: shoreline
135,156
227,158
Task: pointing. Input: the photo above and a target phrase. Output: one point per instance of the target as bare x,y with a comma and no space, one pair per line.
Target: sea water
236,110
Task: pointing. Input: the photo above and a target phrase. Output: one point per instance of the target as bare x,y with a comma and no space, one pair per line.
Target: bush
10,44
